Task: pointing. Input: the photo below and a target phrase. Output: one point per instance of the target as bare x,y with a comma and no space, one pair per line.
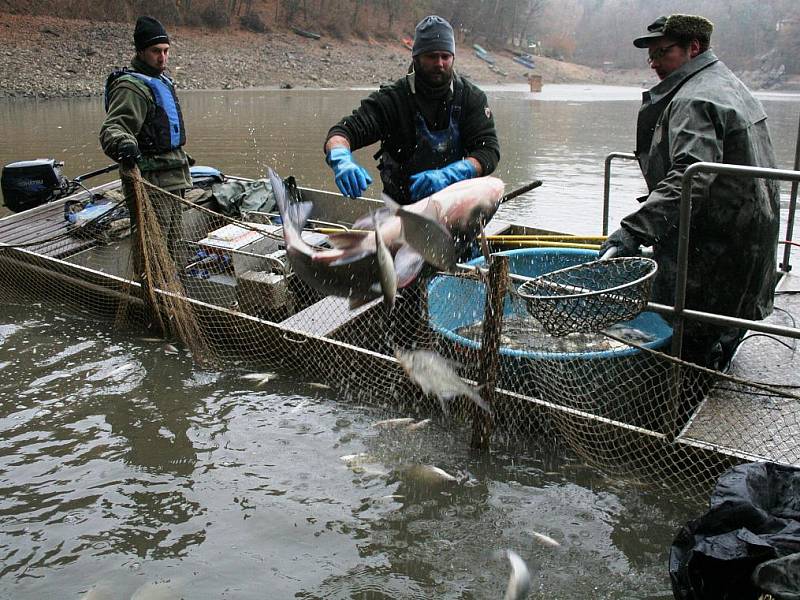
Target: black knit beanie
433,34
149,32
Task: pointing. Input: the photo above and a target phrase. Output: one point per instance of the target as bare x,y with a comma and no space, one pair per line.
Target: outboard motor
29,183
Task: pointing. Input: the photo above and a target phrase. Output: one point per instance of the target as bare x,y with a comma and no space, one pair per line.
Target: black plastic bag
754,517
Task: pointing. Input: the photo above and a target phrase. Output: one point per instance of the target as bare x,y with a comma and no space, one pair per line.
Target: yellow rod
493,238
545,238
546,244
329,230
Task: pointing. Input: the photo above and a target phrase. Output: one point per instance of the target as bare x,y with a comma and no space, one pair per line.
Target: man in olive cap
144,123
435,127
700,111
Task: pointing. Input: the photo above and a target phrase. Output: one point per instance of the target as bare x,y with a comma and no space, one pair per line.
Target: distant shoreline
51,57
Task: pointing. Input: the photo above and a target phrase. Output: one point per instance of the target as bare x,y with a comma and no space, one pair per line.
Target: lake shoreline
52,57
46,57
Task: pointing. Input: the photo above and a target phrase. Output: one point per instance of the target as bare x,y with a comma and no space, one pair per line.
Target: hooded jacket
130,105
702,112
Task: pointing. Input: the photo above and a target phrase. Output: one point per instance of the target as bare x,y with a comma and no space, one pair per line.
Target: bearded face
435,68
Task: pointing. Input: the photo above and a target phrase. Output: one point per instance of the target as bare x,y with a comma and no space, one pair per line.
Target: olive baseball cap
682,28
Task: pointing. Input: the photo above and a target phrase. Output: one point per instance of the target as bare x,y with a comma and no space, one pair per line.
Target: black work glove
128,152
624,241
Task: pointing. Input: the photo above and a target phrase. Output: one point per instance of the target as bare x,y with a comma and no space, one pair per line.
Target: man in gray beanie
698,112
435,127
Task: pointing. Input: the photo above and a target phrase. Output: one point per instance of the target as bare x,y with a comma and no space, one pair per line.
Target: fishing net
154,261
591,296
220,286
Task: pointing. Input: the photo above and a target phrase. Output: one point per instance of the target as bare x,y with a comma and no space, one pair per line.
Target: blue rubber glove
351,178
429,182
624,241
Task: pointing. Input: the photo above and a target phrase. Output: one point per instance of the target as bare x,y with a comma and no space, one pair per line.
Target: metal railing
683,246
678,311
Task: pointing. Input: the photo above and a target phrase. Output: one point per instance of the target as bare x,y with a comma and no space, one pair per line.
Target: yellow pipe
547,238
329,230
492,238
546,244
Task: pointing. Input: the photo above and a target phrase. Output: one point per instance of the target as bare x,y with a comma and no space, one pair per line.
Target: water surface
126,468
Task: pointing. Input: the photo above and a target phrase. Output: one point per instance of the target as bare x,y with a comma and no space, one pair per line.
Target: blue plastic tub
455,303
623,384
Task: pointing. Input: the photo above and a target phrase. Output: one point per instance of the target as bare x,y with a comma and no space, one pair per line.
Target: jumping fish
432,230
349,275
423,232
440,226
519,582
386,268
436,376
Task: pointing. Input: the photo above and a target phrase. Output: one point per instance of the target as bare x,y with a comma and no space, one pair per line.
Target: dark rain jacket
388,116
130,104
702,112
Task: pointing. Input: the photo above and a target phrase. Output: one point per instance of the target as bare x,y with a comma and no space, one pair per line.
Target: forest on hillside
750,34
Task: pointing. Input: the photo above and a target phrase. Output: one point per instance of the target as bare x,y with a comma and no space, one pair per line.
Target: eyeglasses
660,53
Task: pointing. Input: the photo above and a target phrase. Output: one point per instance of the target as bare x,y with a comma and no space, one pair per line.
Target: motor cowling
29,183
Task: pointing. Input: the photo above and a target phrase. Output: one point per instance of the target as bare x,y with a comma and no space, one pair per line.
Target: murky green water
132,470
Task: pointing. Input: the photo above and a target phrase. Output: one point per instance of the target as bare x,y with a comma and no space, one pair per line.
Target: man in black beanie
144,123
435,127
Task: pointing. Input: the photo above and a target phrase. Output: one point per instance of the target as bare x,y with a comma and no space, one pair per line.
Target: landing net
227,294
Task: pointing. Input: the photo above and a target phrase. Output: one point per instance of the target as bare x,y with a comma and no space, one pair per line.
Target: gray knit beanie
433,34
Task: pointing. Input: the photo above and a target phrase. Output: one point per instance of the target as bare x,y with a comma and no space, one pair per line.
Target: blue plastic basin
454,303
623,384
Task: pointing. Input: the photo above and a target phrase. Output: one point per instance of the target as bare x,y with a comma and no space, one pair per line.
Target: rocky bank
50,57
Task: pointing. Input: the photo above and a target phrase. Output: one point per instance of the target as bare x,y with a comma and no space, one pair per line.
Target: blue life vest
163,128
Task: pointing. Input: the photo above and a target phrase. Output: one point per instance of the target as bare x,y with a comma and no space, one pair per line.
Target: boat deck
756,425
46,223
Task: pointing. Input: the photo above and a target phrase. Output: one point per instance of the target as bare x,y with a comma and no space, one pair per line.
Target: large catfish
352,276
441,226
436,229
432,230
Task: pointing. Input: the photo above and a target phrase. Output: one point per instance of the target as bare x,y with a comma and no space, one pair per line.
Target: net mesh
222,287
591,296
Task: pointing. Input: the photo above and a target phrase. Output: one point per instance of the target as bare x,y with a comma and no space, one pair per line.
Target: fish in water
159,590
418,425
170,349
437,376
545,540
390,423
519,582
319,386
356,459
100,591
442,225
259,378
430,474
